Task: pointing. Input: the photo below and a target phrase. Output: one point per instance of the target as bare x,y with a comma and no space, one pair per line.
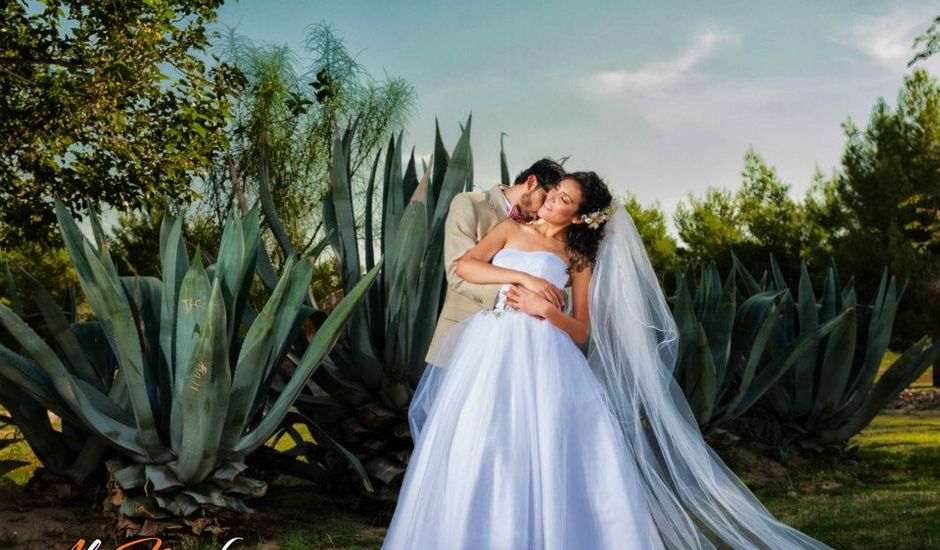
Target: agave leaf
267,204
27,377
410,179
178,504
94,344
204,394
368,236
7,466
879,334
251,227
687,324
720,328
753,287
101,243
194,296
331,379
262,346
907,368
208,494
785,360
61,331
457,174
838,358
754,358
14,293
503,164
404,275
130,477
830,297
82,399
779,281
804,370
316,351
230,269
174,264
145,294
114,312
338,210
438,167
703,386
393,200
32,420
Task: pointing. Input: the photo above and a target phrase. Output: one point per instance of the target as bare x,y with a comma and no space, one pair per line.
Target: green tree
709,226
651,224
929,42
108,99
825,217
926,227
896,157
769,216
291,116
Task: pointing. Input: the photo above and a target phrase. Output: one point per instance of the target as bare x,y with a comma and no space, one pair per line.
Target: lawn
890,499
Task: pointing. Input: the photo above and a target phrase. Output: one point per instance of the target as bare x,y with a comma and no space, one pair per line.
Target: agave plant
66,452
831,393
726,358
164,376
361,393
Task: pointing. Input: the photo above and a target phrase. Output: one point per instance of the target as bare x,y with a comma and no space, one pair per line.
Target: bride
528,444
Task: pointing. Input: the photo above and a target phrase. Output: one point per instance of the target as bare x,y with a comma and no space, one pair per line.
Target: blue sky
661,98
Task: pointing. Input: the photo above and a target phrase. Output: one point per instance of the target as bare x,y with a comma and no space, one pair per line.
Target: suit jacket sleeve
459,237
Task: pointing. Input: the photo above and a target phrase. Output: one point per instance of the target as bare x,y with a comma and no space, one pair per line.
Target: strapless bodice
539,263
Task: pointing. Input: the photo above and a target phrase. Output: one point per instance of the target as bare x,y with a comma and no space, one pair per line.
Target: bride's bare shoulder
507,227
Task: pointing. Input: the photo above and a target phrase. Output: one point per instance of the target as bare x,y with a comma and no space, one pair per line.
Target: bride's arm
475,265
577,325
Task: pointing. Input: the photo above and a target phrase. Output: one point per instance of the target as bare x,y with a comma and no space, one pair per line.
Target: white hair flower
596,218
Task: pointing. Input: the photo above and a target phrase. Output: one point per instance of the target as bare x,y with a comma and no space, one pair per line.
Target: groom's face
532,199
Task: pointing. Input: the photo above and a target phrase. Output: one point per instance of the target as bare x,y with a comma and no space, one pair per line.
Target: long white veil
695,499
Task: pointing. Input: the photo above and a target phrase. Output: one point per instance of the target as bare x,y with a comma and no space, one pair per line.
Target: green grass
336,531
16,451
890,499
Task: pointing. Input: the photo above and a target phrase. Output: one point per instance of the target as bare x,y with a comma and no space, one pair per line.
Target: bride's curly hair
582,240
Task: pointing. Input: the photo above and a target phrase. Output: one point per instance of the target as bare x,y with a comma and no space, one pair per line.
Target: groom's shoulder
472,199
468,199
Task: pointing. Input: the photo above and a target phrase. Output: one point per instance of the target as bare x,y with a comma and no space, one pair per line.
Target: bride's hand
545,289
525,300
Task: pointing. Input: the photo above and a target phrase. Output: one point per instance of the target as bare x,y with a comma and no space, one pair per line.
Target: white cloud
887,39
658,74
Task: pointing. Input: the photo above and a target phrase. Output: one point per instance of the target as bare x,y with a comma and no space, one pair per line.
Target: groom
472,214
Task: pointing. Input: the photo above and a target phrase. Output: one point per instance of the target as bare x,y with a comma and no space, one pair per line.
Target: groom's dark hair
546,171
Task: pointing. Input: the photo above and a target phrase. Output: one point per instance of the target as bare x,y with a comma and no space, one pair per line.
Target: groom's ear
531,183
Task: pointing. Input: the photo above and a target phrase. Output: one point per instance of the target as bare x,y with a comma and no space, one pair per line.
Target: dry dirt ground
287,517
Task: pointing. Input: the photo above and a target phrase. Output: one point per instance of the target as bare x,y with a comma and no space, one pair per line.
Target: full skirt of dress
515,448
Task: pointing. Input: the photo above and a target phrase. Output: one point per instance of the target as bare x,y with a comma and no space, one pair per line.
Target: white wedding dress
515,444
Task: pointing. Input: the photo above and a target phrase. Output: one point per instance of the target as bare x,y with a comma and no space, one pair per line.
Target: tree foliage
110,99
291,111
709,226
651,224
896,157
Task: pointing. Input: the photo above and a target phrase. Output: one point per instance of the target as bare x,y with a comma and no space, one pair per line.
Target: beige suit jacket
471,215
